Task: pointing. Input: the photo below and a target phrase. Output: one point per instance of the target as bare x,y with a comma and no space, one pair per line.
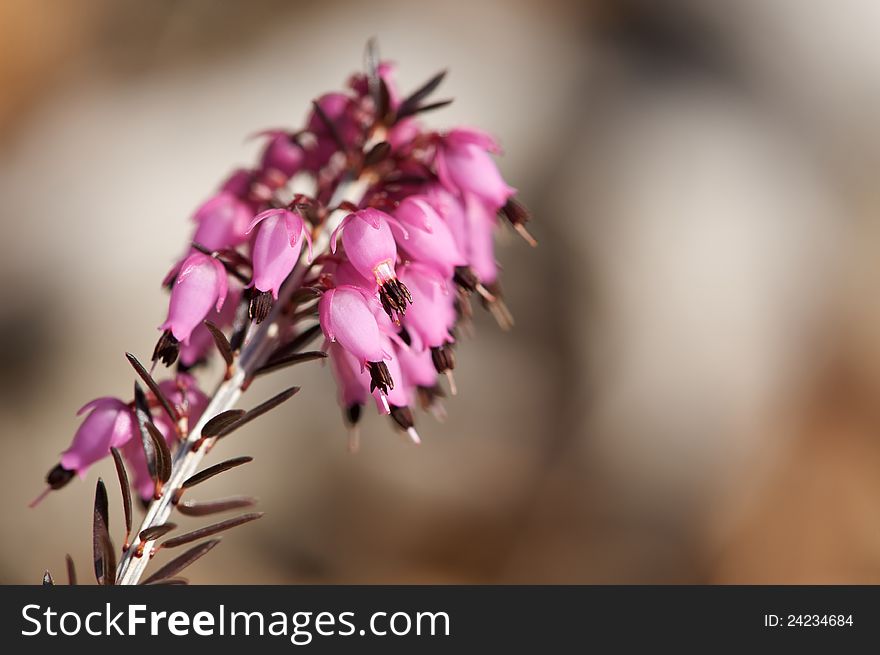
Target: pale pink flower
200,286
427,238
370,247
276,247
464,165
222,221
110,423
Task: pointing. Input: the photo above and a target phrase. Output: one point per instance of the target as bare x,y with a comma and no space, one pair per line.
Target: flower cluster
388,273
112,423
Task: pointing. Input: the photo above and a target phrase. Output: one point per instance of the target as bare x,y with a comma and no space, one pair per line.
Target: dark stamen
465,278
380,377
166,349
59,477
443,358
261,305
402,416
515,212
353,414
394,296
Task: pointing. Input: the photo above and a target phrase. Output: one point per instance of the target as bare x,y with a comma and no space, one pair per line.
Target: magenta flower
276,247
418,212
346,319
416,367
110,423
282,154
200,286
464,166
428,238
201,343
481,223
403,133
222,221
339,109
239,183
370,247
387,71
353,385
183,392
344,273
191,402
432,314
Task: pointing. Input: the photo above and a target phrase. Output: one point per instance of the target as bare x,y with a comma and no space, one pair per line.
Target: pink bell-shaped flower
200,286
183,392
222,221
451,209
339,109
346,319
282,154
352,384
481,223
416,366
276,247
464,165
110,422
190,401
432,314
370,247
239,183
200,341
428,239
387,71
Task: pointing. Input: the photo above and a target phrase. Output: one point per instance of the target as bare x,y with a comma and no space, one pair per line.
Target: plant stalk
261,342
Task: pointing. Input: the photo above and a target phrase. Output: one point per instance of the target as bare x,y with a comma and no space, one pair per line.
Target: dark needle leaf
377,153
195,508
215,425
156,531
177,565
71,571
330,125
259,410
276,363
412,101
142,411
210,530
211,471
168,582
163,454
126,490
298,342
102,545
151,383
47,579
221,342
429,107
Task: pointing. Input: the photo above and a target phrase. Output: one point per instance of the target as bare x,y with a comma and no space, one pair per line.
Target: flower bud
371,249
282,154
200,286
110,422
222,222
346,319
428,239
464,166
276,248
432,313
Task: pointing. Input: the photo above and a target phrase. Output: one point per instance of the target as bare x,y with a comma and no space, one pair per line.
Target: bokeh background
690,392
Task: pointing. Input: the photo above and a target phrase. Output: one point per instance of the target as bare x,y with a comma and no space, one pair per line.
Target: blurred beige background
690,391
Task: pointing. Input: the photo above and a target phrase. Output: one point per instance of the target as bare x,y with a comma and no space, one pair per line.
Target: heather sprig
365,227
